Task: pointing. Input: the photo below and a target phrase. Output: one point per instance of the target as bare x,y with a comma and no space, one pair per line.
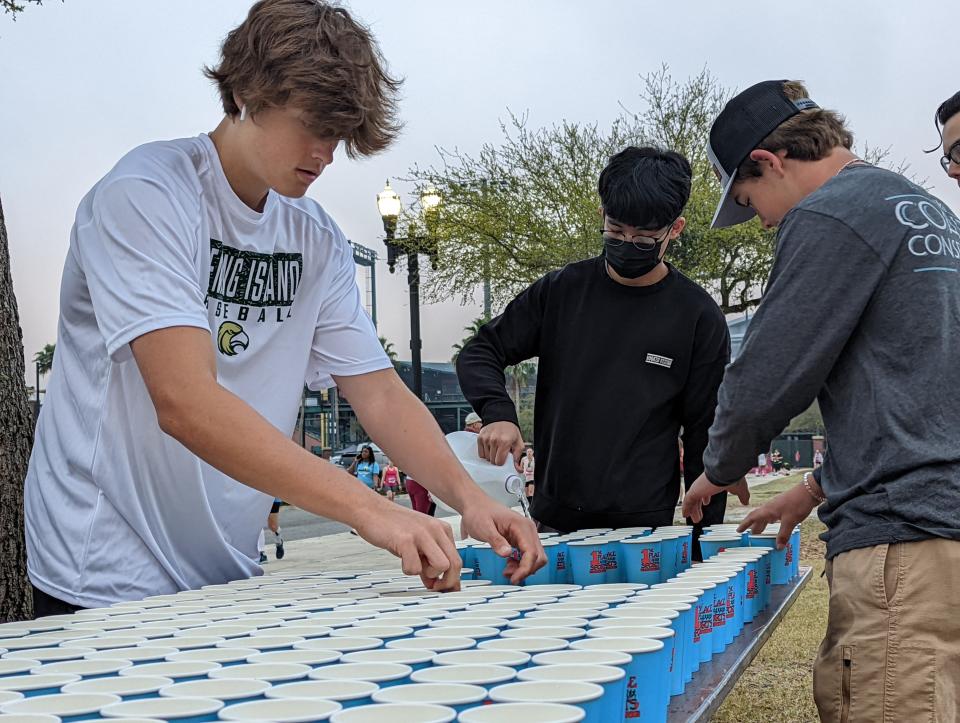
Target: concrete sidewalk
341,551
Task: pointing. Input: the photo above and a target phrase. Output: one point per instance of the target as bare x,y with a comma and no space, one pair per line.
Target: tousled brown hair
315,56
810,135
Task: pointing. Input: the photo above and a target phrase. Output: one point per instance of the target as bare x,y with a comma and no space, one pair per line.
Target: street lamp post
388,203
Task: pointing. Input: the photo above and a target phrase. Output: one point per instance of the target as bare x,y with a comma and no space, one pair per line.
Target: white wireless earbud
243,112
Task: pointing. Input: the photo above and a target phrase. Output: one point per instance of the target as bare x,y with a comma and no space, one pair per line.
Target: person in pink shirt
391,480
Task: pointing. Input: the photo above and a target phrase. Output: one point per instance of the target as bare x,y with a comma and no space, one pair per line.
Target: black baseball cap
744,122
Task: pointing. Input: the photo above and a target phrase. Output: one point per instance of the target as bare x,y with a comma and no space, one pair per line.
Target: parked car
345,457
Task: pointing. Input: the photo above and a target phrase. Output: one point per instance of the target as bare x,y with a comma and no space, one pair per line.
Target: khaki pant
892,649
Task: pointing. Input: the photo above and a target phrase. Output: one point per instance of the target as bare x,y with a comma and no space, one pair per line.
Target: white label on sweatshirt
661,361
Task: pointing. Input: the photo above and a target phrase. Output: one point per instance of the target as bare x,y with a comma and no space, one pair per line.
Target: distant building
441,395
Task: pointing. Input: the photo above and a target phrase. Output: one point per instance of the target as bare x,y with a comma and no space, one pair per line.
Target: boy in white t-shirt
200,290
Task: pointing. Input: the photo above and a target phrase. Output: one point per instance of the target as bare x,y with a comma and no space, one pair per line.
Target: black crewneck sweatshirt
621,370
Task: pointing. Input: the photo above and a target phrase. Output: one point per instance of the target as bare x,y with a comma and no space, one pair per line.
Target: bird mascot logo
231,340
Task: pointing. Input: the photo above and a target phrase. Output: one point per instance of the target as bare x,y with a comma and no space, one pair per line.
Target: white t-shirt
116,509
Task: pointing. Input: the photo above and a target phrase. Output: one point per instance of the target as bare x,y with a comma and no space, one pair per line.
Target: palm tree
44,359
520,376
472,331
389,350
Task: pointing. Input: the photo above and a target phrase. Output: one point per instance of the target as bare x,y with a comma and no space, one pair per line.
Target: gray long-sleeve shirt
862,312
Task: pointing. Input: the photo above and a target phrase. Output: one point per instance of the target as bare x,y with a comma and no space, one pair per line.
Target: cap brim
729,212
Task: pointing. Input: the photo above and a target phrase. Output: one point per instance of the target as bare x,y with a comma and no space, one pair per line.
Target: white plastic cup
134,687
477,632
349,693
272,672
8,696
588,696
383,674
224,656
546,622
342,645
15,666
526,712
231,691
86,669
67,707
179,671
437,645
32,685
509,658
458,696
564,633
313,658
611,678
182,710
476,674
531,645
396,713
282,710
416,659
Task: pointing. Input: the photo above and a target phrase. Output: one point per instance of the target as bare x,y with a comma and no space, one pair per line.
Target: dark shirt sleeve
508,339
823,277
711,354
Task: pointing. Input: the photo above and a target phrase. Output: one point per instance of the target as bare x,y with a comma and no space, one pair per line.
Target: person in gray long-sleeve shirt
867,279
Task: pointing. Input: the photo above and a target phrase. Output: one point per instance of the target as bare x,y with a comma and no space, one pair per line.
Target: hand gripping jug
502,483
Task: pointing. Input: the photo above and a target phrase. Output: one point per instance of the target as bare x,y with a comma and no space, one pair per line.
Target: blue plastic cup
647,690
488,565
634,614
716,543
702,615
781,561
562,570
641,558
612,562
722,634
587,561
546,575
669,554
685,605
468,558
588,696
612,679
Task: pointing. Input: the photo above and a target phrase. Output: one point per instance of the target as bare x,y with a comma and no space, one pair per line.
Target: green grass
778,685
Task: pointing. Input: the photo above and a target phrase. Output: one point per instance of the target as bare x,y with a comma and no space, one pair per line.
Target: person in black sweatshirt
630,352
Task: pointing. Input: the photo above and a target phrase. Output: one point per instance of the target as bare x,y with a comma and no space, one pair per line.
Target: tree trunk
16,437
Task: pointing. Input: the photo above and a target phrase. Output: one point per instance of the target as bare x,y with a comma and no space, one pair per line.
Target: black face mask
632,262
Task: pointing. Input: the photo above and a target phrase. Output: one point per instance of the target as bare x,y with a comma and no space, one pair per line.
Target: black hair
368,448
947,110
646,188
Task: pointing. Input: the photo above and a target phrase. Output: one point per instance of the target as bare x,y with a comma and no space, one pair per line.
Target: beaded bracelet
806,483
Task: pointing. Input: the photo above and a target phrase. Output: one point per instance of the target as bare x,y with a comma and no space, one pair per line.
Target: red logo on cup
632,709
649,561
596,563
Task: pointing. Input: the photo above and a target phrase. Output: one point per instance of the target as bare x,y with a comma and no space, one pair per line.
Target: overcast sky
85,81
